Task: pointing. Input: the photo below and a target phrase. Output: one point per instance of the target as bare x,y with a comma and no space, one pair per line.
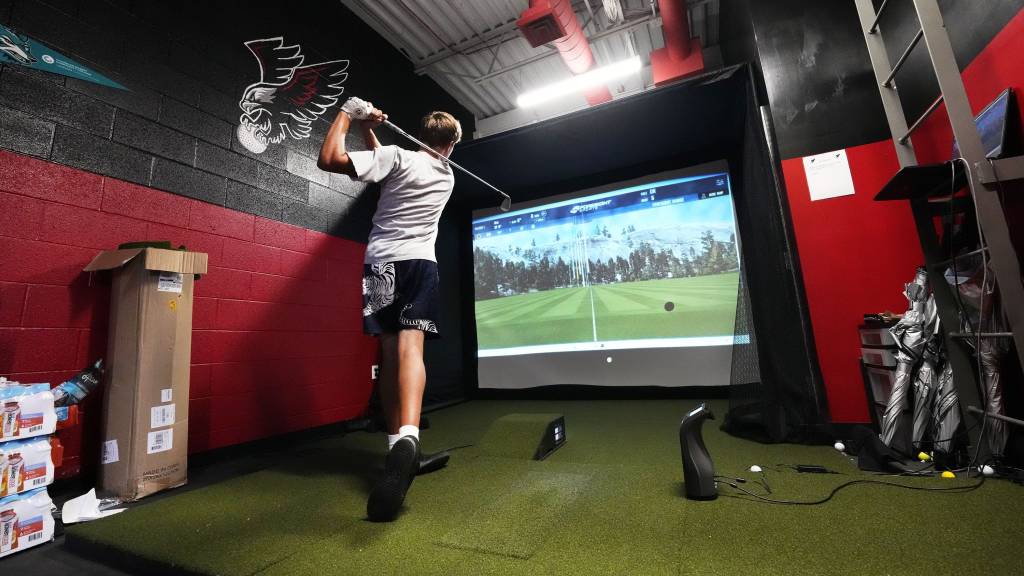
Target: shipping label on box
170,282
26,411
25,465
26,520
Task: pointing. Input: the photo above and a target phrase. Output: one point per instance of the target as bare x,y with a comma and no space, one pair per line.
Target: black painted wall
817,73
187,68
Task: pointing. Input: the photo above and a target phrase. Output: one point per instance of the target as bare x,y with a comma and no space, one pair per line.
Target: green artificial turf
515,435
700,306
608,502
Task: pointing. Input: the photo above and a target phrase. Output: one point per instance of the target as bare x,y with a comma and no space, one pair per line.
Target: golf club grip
449,161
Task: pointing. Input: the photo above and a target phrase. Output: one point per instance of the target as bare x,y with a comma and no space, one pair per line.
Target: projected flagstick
586,282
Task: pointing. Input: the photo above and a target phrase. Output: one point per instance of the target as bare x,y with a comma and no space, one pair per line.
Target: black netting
745,364
746,391
754,411
775,389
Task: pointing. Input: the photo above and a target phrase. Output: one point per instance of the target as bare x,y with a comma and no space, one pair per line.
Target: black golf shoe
400,468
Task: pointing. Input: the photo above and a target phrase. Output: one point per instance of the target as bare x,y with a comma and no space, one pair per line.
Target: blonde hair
439,129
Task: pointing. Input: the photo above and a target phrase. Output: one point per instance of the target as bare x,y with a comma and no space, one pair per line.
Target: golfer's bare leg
412,378
401,394
388,382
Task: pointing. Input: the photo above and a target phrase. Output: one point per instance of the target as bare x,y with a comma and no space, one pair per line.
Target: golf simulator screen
630,284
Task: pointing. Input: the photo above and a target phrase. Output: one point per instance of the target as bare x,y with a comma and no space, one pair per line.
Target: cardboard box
26,520
145,421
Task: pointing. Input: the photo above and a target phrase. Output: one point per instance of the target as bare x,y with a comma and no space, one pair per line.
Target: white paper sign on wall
828,175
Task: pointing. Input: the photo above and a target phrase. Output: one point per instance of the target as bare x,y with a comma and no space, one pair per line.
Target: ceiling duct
555,21
682,56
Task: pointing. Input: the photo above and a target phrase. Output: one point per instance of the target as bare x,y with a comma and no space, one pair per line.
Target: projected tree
533,270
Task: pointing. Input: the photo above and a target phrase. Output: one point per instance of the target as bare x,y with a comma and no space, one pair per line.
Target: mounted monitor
629,284
992,125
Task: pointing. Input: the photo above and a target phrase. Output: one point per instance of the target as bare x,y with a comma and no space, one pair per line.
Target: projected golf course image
655,265
701,306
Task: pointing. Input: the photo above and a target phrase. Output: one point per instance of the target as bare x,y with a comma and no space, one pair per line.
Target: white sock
409,430
392,438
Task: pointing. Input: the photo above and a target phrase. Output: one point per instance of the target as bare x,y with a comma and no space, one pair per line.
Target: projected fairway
700,306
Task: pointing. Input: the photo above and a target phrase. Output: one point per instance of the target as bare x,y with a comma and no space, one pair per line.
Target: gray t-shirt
415,188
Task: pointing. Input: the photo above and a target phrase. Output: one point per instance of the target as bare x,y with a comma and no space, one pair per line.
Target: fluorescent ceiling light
580,83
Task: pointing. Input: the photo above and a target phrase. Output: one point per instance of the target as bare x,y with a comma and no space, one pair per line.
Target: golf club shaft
443,159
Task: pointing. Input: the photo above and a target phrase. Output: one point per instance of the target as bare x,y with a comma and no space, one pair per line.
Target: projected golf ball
755,468
669,306
839,446
249,140
608,359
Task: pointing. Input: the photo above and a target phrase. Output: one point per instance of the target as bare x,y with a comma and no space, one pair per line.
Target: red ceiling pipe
555,21
682,55
676,27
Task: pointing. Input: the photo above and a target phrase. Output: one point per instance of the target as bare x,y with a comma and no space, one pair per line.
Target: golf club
506,203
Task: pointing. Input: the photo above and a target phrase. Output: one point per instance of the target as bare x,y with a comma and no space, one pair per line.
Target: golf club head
506,204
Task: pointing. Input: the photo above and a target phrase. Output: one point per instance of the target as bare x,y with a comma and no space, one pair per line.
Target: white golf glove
357,108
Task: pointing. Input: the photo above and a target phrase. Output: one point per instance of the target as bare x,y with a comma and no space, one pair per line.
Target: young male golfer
400,283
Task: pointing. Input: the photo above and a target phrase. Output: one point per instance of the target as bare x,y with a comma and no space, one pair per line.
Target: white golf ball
987,470
755,468
839,446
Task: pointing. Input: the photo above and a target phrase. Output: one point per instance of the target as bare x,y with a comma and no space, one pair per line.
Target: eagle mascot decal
289,97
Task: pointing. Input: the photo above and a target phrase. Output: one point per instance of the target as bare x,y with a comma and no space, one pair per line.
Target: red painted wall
855,253
277,342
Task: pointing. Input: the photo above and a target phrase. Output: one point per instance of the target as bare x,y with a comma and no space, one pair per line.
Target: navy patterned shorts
400,295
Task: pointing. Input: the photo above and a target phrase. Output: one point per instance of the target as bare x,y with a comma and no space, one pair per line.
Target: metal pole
878,16
917,123
903,58
976,410
505,204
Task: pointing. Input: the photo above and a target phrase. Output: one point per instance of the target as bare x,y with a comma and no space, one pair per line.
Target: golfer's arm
333,156
370,138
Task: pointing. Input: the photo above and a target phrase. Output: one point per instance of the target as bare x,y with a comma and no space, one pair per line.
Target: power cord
761,498
763,482
454,448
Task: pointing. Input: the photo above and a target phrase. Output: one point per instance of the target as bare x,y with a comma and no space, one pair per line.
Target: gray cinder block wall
186,68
